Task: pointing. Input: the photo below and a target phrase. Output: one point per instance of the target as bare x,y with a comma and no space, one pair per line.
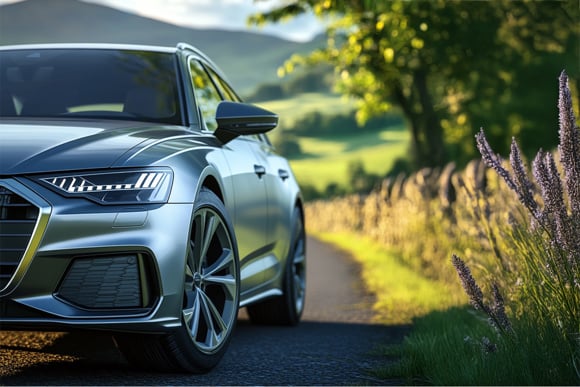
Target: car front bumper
89,266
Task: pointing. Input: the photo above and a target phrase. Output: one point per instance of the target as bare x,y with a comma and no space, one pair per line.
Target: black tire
287,309
209,310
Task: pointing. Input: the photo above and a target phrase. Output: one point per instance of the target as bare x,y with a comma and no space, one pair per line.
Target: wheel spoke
214,312
299,259
210,227
299,285
198,240
228,282
224,260
210,335
191,315
299,269
212,316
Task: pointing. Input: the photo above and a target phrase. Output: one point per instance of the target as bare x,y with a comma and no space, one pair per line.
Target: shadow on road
334,345
313,353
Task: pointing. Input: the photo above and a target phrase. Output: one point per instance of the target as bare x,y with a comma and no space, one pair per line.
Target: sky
224,14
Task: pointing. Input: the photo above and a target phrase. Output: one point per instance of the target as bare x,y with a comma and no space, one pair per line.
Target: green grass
401,294
325,159
445,344
445,348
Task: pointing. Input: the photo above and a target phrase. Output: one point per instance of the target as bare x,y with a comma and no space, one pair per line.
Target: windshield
91,83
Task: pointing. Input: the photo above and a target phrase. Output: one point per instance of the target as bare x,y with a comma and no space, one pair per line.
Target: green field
325,159
293,108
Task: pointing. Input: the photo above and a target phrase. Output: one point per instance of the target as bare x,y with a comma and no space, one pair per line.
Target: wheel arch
298,203
210,182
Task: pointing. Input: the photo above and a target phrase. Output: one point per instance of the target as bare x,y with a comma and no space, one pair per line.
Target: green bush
286,144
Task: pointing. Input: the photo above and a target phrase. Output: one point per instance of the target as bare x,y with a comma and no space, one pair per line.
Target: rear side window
206,94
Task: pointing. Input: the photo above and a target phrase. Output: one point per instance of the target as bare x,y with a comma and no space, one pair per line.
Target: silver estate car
140,196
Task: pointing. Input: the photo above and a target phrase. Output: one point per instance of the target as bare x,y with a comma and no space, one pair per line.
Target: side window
224,88
206,94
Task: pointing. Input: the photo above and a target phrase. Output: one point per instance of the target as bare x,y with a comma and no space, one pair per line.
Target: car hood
44,146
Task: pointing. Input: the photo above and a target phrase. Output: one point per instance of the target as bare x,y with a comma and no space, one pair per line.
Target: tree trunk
427,141
431,130
417,149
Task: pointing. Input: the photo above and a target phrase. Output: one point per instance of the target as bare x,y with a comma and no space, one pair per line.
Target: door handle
283,174
259,170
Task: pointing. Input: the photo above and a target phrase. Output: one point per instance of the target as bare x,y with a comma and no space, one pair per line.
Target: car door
248,204
276,179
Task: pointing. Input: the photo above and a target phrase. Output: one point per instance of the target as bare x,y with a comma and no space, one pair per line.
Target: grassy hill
325,158
249,59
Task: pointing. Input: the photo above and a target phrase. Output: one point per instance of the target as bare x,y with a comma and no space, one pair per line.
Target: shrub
545,245
523,249
286,144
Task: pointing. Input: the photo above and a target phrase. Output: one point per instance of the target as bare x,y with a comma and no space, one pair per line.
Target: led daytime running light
79,184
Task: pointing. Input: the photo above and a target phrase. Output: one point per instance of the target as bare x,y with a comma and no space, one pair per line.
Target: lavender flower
542,176
469,285
496,313
555,217
569,148
500,317
554,250
548,177
525,186
493,160
522,186
569,145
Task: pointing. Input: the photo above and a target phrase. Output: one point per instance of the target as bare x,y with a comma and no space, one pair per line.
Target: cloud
223,14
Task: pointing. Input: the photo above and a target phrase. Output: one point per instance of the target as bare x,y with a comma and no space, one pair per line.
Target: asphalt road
334,344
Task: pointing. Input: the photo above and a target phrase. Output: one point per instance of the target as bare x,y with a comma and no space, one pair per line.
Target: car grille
17,221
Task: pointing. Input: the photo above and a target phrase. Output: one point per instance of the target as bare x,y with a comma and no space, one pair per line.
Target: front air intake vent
109,282
17,221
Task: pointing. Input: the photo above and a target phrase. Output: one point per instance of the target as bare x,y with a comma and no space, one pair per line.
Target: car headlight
115,187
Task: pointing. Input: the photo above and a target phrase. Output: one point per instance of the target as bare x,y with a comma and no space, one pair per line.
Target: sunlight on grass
326,160
317,147
396,135
402,294
325,157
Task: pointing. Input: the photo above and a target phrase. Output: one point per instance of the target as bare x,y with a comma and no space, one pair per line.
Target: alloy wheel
299,267
211,287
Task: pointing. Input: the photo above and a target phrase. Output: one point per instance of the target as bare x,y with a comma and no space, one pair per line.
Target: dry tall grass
424,218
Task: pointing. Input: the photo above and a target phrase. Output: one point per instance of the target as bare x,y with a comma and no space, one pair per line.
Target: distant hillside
249,59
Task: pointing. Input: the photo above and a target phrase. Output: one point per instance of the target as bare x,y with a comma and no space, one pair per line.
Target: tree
444,63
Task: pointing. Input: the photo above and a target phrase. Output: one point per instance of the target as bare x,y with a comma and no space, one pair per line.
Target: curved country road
332,346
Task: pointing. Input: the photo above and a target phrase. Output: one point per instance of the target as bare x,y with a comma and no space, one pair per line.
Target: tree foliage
451,66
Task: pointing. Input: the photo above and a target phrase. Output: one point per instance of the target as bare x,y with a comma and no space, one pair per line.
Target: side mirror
237,119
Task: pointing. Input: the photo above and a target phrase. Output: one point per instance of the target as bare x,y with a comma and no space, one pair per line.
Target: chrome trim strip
45,210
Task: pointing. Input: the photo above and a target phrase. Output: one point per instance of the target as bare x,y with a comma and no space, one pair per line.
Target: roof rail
182,46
